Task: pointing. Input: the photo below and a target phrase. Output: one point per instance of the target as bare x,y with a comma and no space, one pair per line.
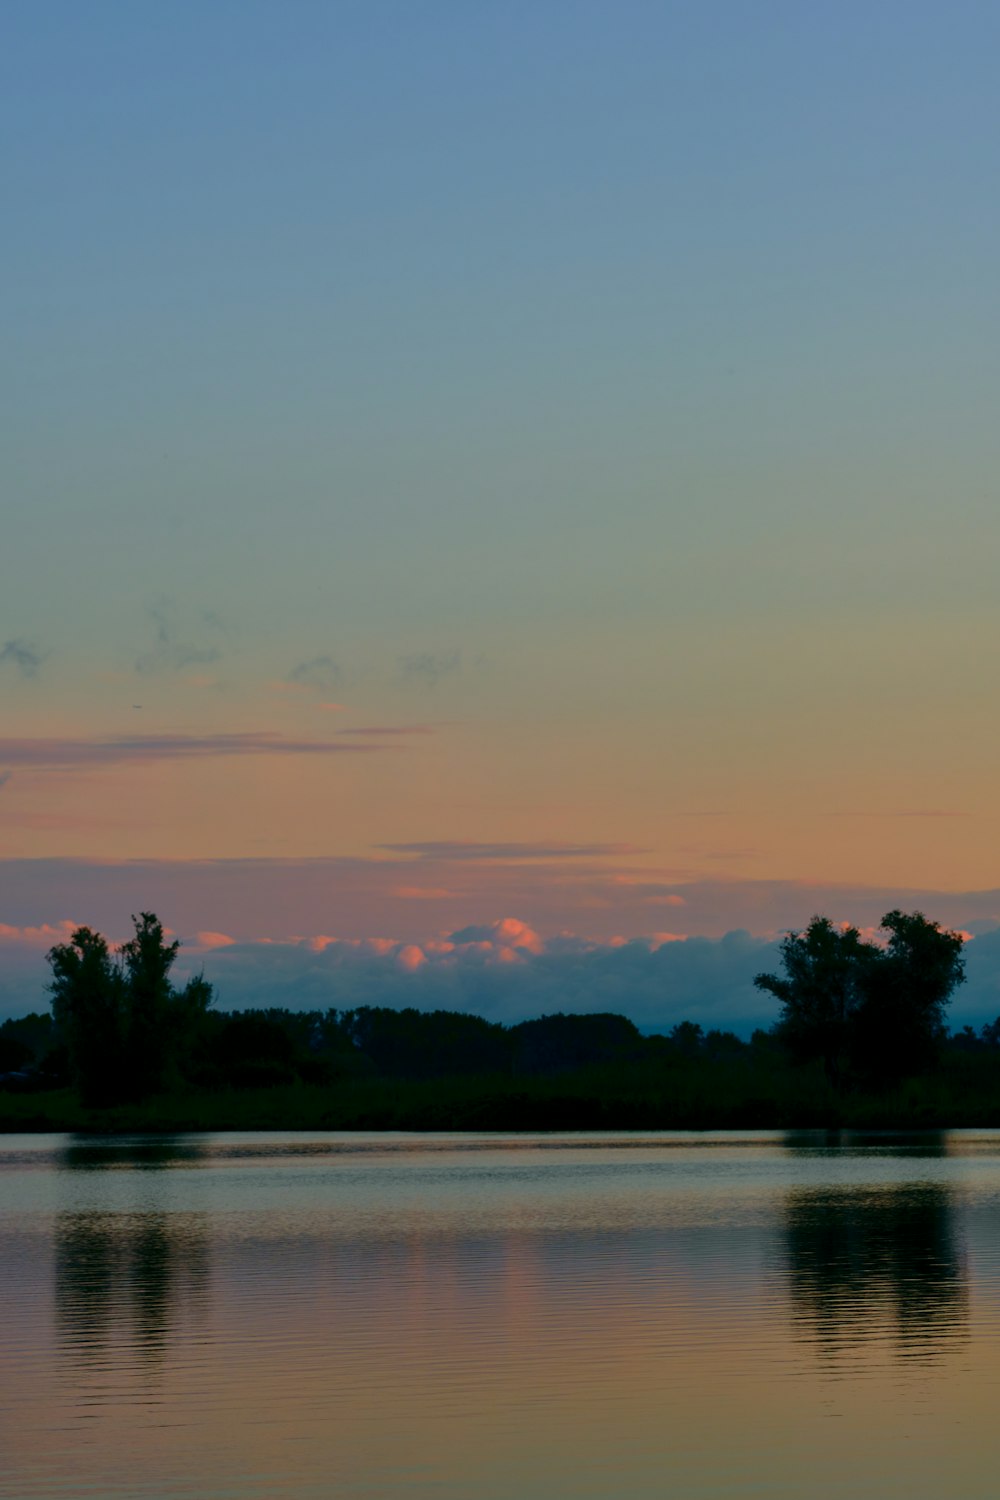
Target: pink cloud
508,933
421,893
502,969
213,940
44,936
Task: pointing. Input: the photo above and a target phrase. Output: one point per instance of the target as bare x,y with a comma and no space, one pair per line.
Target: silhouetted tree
558,1042
125,1026
412,1043
688,1038
820,992
252,1049
861,1008
88,1007
146,962
25,1041
900,1025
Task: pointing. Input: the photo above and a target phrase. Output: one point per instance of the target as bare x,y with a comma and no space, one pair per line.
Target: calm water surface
417,1316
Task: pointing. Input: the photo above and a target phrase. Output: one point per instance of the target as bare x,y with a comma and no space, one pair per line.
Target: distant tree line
867,1013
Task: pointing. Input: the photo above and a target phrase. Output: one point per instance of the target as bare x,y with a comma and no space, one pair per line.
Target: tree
126,1027
88,1008
868,1010
821,991
146,963
900,1026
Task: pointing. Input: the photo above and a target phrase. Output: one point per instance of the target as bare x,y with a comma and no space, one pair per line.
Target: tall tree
874,1011
900,1026
146,960
89,1010
820,992
128,1030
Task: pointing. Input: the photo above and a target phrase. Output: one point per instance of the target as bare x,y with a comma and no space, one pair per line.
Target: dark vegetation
860,1040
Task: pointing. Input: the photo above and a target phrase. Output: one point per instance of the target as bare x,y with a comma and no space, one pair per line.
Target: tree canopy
870,1010
124,1023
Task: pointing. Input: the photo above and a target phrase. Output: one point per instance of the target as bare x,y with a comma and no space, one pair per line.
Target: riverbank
584,1100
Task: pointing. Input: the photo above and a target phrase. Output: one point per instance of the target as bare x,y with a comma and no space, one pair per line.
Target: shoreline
304,1108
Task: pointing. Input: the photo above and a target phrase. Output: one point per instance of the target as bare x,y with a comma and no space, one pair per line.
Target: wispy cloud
169,652
22,656
4,778
42,821
320,673
929,812
124,749
422,893
901,812
463,850
426,669
373,731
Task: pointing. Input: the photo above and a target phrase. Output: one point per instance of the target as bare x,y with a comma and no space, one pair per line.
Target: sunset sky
469,462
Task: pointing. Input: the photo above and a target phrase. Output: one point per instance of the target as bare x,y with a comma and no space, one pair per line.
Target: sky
468,463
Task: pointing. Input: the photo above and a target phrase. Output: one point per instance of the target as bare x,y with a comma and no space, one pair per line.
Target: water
455,1316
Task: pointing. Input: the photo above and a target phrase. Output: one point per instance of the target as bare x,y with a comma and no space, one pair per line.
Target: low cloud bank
506,972
502,970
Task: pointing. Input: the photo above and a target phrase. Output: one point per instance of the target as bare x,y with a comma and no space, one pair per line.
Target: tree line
868,1013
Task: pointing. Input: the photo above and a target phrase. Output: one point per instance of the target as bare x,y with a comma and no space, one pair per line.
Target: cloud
209,940
44,936
356,896
504,970
509,932
422,893
320,673
467,850
24,973
168,652
650,892
42,820
143,749
22,656
4,778
386,730
508,969
904,812
426,669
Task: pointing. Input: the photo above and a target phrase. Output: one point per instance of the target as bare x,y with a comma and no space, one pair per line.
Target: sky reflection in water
455,1315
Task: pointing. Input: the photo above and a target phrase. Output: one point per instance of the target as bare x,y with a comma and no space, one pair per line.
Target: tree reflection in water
867,1263
124,1279
150,1153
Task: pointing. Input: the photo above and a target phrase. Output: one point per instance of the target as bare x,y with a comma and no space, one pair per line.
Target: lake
737,1314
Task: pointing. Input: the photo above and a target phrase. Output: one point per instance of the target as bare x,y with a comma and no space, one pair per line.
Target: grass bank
770,1096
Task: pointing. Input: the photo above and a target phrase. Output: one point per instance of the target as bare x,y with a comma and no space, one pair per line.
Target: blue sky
604,395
